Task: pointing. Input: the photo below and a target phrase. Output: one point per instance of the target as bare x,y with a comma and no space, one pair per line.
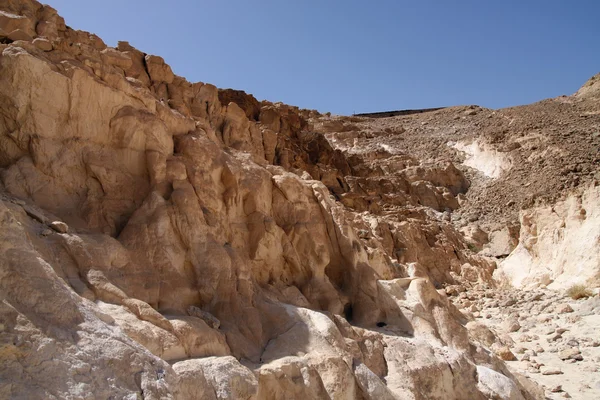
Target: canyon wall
167,239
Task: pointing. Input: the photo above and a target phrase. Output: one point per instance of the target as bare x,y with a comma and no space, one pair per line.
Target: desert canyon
162,239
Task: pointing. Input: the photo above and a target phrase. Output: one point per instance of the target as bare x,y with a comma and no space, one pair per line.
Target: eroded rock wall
558,244
177,247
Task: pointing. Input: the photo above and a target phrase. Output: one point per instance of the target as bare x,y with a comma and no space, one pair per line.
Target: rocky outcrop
590,89
558,244
176,241
245,101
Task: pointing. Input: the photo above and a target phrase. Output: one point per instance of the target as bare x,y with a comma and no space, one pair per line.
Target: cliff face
166,239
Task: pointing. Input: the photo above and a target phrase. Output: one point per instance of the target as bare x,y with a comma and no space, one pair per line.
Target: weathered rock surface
166,239
559,244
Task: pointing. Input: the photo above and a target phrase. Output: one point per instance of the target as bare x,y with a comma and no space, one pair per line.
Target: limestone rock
550,371
371,385
225,377
496,385
117,58
59,226
562,260
290,377
482,333
570,354
245,101
503,352
260,256
192,383
564,309
511,325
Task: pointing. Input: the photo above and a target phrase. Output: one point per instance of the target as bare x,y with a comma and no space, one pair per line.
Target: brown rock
564,309
18,34
245,101
158,70
43,44
556,389
205,316
59,226
117,58
503,352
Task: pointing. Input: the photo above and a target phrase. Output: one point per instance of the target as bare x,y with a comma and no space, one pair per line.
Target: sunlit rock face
164,239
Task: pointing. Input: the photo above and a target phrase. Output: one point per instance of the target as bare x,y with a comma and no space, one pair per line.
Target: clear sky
362,56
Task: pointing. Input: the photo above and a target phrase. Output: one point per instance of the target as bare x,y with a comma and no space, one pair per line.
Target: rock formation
166,239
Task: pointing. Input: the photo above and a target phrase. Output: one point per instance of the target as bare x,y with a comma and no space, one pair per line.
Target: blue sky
359,56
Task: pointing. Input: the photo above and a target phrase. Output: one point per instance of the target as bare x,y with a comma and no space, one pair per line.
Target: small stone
556,389
539,349
503,352
544,318
520,350
571,353
511,325
573,318
554,337
565,309
59,226
508,302
46,232
525,338
550,371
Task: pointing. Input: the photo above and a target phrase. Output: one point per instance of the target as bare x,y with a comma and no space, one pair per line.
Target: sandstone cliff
167,239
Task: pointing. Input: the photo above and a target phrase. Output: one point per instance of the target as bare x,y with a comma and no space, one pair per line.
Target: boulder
495,385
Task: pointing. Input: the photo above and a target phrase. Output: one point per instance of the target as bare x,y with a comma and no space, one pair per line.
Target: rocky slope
533,173
167,239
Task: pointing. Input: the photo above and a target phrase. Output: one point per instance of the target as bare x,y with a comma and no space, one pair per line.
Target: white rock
495,385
